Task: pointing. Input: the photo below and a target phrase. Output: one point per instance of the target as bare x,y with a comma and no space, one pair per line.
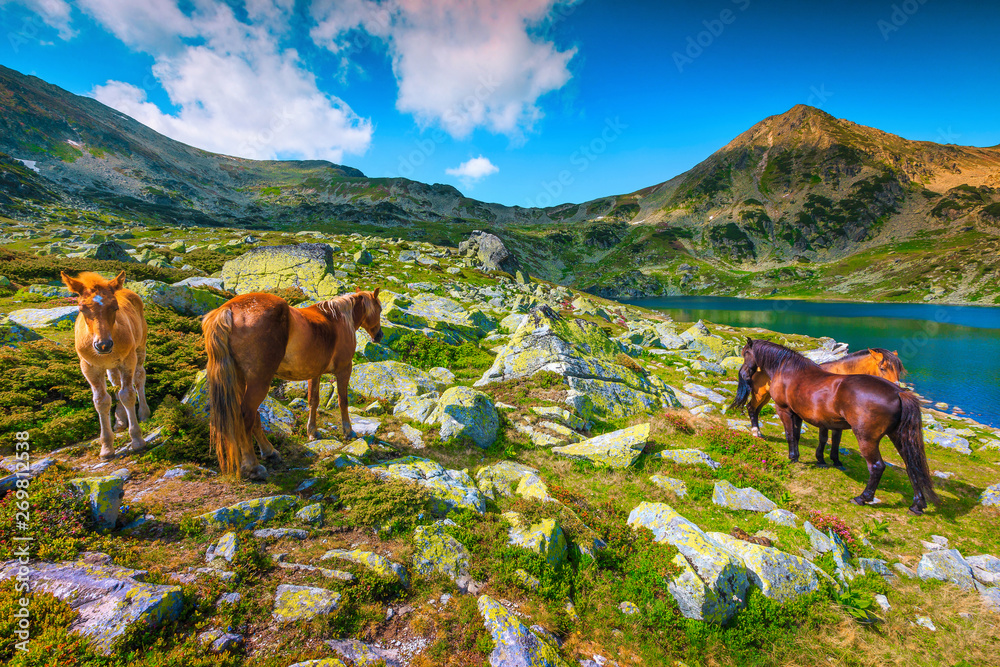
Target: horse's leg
121,417
267,450
876,466
788,421
343,380
254,395
835,448
127,396
102,403
313,407
139,379
758,399
796,434
821,447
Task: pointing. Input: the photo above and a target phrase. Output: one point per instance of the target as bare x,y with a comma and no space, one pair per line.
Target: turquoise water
952,353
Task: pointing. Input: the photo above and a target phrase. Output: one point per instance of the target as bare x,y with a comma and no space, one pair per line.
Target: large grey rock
466,414
450,489
713,582
515,645
248,514
544,538
618,449
491,252
109,250
308,266
500,478
183,299
298,603
436,551
946,565
583,354
390,380
779,575
104,497
63,317
727,495
109,600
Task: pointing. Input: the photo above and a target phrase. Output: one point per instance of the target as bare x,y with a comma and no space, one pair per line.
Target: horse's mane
343,306
891,357
91,279
772,356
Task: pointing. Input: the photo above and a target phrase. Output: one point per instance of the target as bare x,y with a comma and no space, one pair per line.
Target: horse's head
744,389
368,313
98,305
887,365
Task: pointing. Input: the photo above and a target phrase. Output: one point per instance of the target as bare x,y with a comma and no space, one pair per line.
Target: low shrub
425,352
381,503
57,520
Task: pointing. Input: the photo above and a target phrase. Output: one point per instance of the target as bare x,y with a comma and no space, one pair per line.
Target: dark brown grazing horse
871,361
253,338
870,406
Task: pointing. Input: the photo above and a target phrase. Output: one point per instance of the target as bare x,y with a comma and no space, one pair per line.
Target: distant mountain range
786,205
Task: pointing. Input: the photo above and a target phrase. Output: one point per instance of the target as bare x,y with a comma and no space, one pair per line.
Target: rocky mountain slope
793,204
542,477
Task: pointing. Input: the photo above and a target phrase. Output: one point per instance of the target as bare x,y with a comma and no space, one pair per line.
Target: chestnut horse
870,406
872,361
253,338
111,339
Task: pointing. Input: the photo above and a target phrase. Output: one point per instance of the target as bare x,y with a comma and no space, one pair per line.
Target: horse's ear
896,352
875,355
118,282
72,284
375,293
357,289
749,340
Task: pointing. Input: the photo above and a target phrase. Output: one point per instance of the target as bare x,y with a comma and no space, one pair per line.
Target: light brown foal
111,339
253,338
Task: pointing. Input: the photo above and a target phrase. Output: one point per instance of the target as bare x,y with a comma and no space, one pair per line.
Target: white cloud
459,64
55,13
474,170
237,89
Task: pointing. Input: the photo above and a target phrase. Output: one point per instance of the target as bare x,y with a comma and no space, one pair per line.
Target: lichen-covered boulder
531,487
109,250
948,441
364,655
467,414
311,514
946,565
417,408
618,449
985,568
991,496
449,489
248,514
225,549
514,644
675,486
499,478
62,318
779,575
13,334
727,495
562,416
544,538
390,380
444,376
104,497
582,353
183,299
308,266
688,457
819,542
109,601
300,603
373,562
713,583
782,518
704,392
437,551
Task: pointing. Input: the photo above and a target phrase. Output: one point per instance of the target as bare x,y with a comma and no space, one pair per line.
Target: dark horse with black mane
870,406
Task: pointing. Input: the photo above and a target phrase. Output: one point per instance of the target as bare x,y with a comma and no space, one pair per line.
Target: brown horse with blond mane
871,361
110,338
253,338
870,406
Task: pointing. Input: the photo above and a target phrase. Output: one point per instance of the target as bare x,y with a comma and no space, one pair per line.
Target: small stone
311,514
675,486
926,622
628,608
883,602
782,518
727,495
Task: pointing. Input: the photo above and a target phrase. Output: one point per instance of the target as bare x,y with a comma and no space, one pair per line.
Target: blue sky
523,102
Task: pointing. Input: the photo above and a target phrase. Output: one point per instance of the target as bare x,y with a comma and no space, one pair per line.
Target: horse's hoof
108,456
755,432
916,511
259,473
839,466
351,435
137,446
274,457
859,501
793,459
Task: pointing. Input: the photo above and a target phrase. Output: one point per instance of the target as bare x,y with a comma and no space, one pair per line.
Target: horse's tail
744,391
910,436
226,429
